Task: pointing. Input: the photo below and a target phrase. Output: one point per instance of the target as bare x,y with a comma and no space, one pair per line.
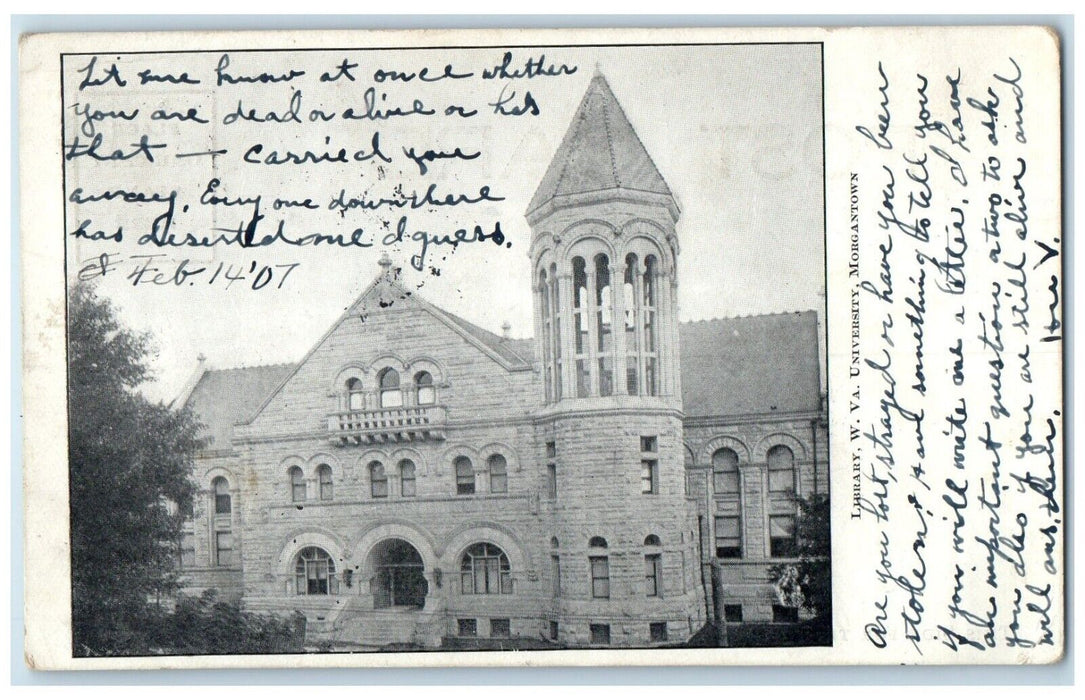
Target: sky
735,131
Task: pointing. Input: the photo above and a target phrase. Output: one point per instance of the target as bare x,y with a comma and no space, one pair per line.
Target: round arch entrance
398,575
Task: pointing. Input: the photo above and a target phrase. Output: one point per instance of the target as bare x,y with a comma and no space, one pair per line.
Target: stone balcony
387,425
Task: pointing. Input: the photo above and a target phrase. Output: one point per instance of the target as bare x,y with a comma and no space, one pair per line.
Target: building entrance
400,581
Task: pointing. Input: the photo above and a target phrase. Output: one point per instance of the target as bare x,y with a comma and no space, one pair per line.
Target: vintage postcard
667,347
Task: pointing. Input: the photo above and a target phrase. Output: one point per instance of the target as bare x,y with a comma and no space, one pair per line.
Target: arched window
221,488
426,392
378,480
553,543
547,338
314,573
652,541
465,476
544,298
391,396
649,301
355,395
781,470
485,570
604,317
555,306
406,478
632,336
499,479
297,484
324,475
599,566
725,472
581,323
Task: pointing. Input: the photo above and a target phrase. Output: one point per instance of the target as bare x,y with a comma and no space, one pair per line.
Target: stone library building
620,480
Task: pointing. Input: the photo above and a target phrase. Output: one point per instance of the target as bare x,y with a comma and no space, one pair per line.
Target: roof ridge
610,137
766,314
237,367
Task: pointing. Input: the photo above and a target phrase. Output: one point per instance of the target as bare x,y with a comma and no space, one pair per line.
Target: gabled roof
750,364
383,292
600,151
226,396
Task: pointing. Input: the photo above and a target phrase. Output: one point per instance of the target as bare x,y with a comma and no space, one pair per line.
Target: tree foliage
129,486
808,583
207,625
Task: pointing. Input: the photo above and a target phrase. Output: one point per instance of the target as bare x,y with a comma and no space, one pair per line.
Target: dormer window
391,396
427,393
355,395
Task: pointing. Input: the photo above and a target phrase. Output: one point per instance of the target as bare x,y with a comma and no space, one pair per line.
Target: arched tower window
630,299
781,470
725,472
297,485
581,321
426,393
555,306
324,476
314,573
391,396
355,395
649,301
604,305
547,336
221,489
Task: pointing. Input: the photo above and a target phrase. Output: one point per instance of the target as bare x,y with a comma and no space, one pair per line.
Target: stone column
754,523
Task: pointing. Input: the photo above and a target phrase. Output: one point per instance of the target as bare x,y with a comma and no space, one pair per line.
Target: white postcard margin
868,606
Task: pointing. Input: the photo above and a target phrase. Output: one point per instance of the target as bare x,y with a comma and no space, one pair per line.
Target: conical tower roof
600,152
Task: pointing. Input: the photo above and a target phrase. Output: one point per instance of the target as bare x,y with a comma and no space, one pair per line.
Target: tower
624,553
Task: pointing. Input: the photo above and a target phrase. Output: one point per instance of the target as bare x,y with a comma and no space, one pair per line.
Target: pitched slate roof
750,364
600,151
226,396
511,350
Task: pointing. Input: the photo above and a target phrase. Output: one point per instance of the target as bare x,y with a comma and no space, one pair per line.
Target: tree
128,460
129,488
808,583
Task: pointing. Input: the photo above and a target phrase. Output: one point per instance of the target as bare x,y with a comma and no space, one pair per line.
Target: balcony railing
381,425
